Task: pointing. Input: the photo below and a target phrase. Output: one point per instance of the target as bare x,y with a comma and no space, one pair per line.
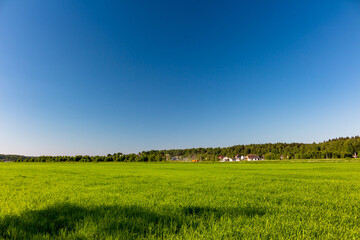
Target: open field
262,200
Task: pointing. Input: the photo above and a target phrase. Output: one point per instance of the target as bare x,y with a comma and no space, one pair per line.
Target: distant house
227,159
355,155
252,157
239,158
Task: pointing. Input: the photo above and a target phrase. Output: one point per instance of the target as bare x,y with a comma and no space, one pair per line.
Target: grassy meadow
257,200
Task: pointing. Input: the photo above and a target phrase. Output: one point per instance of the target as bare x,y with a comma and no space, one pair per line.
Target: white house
227,159
252,157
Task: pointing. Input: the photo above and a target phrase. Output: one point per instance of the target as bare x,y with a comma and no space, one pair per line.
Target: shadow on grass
122,222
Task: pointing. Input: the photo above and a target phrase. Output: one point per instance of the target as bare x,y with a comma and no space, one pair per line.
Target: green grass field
267,200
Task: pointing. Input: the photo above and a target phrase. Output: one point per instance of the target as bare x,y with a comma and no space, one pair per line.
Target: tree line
333,148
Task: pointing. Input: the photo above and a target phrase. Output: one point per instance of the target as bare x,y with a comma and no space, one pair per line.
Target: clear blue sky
98,77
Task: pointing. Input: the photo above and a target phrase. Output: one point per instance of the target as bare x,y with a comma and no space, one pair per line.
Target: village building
238,158
252,157
227,159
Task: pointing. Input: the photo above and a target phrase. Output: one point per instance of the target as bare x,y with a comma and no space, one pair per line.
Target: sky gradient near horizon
98,77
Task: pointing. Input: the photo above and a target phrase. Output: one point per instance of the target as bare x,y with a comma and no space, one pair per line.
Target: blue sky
98,77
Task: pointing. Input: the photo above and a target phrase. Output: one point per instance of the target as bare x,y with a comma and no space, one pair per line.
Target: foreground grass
268,200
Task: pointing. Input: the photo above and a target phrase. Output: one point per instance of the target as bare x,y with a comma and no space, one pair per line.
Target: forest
346,147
